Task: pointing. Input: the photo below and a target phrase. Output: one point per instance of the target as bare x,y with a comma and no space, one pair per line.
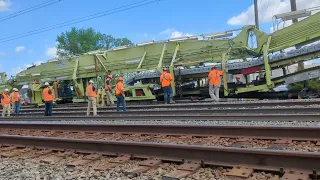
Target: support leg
211,92
216,92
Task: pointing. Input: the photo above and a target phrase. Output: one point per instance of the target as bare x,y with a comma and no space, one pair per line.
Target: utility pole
293,4
293,8
256,13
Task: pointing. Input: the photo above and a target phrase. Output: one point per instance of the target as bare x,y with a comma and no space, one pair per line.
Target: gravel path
172,122
33,169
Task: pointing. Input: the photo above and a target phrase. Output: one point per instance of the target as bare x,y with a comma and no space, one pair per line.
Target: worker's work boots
171,101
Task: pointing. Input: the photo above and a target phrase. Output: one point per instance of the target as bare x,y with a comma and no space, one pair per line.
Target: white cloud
19,48
27,65
4,5
51,52
16,70
269,8
172,33
2,53
37,63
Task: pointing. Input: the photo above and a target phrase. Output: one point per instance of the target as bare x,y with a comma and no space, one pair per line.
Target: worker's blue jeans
120,99
48,108
167,92
17,104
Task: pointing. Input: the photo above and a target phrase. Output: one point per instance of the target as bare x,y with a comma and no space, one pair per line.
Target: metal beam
311,133
175,54
224,68
266,62
101,63
162,54
293,4
74,76
142,59
212,155
256,13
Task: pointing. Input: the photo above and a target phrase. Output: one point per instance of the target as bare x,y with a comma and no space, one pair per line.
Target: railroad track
41,163
170,118
195,111
273,132
181,150
195,156
241,104
238,136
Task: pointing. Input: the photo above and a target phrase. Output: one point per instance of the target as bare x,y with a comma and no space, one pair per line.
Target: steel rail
122,116
199,105
211,155
274,132
184,111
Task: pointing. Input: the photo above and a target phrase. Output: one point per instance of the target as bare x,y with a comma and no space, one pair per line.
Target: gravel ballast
173,122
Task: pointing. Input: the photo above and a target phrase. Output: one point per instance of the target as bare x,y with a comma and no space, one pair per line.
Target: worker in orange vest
13,106
16,100
92,98
48,99
5,102
120,94
165,80
214,83
108,91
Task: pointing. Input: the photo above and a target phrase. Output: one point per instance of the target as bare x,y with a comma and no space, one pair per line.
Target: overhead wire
82,19
265,12
30,9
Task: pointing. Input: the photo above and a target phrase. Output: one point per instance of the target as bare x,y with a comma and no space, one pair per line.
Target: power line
30,9
85,18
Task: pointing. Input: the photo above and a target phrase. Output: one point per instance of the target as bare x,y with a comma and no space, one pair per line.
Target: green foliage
78,41
312,84
296,86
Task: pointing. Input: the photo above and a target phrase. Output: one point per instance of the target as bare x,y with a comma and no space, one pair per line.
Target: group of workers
10,102
165,80
92,95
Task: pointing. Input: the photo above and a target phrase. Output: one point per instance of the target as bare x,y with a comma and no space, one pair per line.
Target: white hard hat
15,89
91,81
46,84
6,90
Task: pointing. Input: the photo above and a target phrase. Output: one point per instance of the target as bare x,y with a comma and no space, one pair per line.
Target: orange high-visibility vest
16,97
214,76
46,96
165,79
119,88
90,92
6,99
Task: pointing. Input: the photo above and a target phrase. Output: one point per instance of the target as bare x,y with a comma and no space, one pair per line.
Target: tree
111,42
78,41
312,84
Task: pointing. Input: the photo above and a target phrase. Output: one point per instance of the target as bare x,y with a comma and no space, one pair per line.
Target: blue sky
161,20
